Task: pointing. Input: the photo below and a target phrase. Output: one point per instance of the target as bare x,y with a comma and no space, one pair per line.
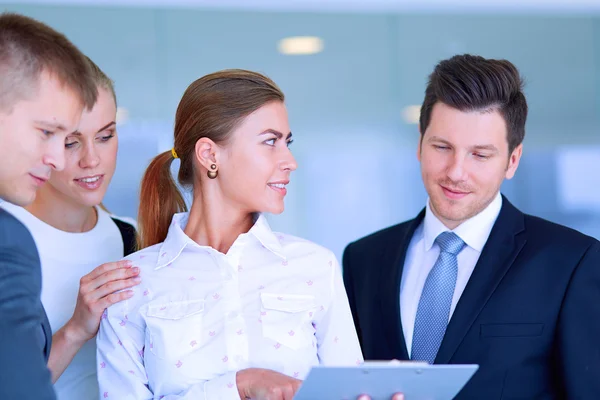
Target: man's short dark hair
473,83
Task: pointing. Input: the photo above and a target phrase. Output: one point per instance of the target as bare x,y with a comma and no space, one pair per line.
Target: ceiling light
300,45
411,114
122,115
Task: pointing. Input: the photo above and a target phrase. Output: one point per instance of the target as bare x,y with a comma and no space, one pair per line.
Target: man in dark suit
45,83
473,280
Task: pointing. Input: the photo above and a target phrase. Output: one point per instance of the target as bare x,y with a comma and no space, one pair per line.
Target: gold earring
213,174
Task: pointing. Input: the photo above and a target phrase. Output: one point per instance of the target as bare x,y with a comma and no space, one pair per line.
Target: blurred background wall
353,101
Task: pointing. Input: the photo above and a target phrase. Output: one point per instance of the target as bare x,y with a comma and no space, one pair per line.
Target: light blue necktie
436,299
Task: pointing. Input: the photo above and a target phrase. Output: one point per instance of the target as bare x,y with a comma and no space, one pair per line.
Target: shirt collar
177,240
474,231
263,233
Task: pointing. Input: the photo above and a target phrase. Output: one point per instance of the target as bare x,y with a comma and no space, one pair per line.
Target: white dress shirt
423,252
273,301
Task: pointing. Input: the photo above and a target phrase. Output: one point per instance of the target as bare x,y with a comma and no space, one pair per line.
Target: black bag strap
129,236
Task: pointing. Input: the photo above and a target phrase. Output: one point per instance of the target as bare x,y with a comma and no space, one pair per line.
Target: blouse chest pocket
175,327
287,319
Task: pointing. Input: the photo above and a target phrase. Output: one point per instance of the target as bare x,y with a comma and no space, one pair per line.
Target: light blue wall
358,170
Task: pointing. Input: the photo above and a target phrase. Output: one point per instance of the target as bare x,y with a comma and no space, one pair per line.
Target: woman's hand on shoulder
98,290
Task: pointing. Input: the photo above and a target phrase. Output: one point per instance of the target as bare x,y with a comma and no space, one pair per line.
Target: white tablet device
380,380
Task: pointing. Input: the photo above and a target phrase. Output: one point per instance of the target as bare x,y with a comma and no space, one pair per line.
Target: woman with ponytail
227,308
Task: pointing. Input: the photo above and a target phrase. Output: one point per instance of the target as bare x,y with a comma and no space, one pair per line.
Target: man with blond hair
45,83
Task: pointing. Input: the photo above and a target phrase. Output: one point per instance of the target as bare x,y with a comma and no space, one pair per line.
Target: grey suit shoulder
25,335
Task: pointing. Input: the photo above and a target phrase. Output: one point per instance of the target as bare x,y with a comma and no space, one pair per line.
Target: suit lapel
499,253
390,280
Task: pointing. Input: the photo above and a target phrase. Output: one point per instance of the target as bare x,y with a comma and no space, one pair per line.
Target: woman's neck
213,221
56,210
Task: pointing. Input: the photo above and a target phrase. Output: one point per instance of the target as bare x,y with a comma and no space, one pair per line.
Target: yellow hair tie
174,153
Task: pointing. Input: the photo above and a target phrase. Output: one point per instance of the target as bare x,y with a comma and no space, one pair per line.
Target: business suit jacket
25,335
529,315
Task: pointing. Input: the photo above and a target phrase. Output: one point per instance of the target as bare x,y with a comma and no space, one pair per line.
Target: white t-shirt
65,258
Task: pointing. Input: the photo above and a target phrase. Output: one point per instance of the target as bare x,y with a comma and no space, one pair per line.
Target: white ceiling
462,6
